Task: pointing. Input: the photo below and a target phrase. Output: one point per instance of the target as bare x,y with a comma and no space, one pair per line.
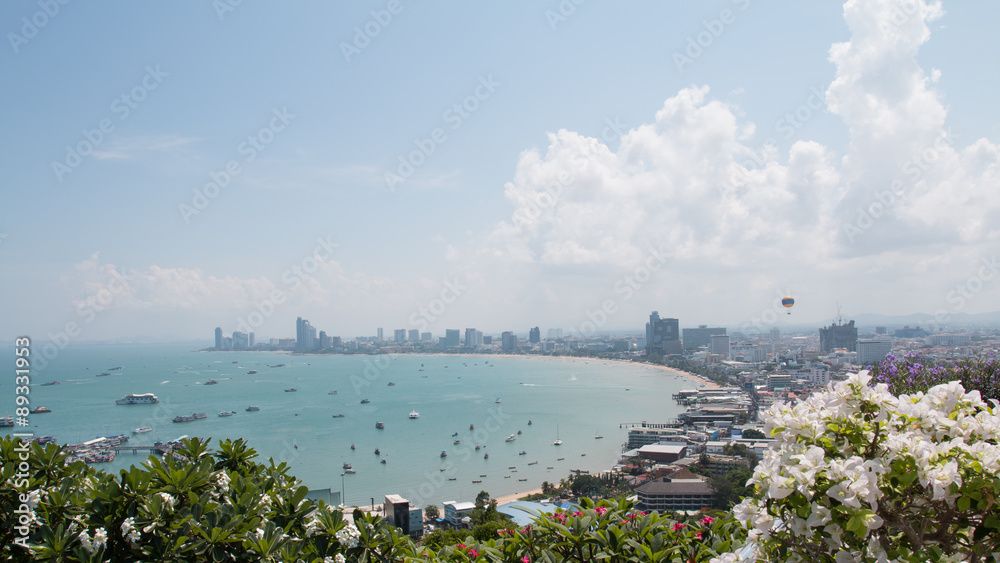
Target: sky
169,168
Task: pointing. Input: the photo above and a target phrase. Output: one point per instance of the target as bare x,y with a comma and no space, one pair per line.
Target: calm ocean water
572,399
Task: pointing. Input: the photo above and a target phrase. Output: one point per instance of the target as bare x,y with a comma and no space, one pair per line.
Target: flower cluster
129,532
338,558
97,543
348,536
866,475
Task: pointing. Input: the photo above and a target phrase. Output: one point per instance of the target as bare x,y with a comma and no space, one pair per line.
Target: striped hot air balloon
787,303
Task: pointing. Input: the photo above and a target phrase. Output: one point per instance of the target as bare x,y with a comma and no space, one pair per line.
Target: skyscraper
838,336
379,337
305,335
662,336
218,338
508,342
413,335
241,341
451,338
695,338
535,335
399,335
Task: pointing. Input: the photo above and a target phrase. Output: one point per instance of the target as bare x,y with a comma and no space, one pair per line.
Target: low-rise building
454,512
662,453
676,494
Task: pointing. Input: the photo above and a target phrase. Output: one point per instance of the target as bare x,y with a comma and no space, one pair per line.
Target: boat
583,455
252,409
6,421
38,410
455,434
352,446
105,374
227,413
558,442
486,455
532,463
519,432
549,467
365,401
334,392
180,418
511,438
382,461
498,400
598,437
506,476
414,414
512,467
453,478
211,382
347,465
291,390
142,429
457,442
522,479
199,415
472,427
522,452
560,458
252,372
339,415
477,480
115,368
391,384
349,471
483,475
380,425
529,423
478,447
138,399
50,383
444,453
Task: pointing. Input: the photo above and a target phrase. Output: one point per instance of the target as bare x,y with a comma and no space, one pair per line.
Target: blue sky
669,122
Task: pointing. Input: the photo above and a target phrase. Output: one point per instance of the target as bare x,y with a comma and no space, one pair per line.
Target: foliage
731,487
858,474
753,434
432,511
910,374
203,505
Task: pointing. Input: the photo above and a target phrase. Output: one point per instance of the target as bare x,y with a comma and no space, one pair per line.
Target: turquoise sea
570,399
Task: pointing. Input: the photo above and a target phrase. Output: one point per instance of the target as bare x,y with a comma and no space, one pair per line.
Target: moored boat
291,390
50,383
138,399
211,382
414,414
252,409
142,429
37,410
380,425
227,413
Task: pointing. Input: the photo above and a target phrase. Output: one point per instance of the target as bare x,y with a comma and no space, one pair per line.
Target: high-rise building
720,344
399,335
379,337
451,338
873,351
426,336
662,336
241,341
508,342
554,333
218,338
881,330
695,338
305,335
413,335
324,340
535,335
775,334
227,343
838,336
473,338
253,339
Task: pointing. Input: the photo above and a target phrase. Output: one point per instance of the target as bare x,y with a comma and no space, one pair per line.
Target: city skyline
701,160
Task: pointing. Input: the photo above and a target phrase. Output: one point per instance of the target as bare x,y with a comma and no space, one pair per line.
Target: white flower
129,532
348,536
222,480
725,558
339,558
169,500
97,543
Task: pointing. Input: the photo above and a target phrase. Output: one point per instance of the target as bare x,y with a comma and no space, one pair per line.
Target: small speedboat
352,446
349,471
382,461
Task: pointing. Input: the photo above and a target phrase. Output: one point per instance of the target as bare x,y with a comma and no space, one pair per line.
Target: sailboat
558,442
598,435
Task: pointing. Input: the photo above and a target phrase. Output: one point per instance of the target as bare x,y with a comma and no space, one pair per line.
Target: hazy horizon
173,168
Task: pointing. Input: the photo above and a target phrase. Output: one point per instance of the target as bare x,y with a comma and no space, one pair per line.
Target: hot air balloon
787,303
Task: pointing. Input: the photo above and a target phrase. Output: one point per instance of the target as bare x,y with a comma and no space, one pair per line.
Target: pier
673,423
137,449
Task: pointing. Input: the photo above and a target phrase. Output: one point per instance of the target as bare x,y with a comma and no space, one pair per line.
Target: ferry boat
142,429
38,410
227,413
365,401
414,414
138,399
380,425
211,382
50,383
252,409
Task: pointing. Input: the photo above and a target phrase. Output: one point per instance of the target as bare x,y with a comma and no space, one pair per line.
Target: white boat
558,442
227,413
142,429
498,400
350,471
414,414
138,399
511,438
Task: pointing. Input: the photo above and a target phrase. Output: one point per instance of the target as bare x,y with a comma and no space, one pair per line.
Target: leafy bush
910,374
861,475
200,505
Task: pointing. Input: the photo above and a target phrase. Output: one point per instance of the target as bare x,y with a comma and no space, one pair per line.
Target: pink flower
698,535
678,526
707,520
473,553
600,510
525,559
526,530
461,546
577,513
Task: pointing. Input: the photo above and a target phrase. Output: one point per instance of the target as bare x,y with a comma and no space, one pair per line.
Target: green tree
753,434
431,511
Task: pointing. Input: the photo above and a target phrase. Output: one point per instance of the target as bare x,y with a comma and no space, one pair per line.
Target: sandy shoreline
512,497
